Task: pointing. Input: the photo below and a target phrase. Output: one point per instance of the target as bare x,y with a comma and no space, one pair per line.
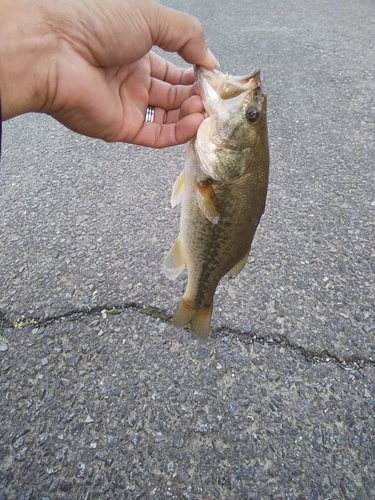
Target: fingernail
213,58
210,61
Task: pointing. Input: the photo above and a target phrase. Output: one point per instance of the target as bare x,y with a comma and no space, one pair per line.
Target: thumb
176,31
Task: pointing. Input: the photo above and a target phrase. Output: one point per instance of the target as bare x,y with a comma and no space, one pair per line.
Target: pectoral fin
178,189
174,262
207,201
239,266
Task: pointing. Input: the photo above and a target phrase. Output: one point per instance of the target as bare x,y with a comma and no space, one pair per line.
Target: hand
89,65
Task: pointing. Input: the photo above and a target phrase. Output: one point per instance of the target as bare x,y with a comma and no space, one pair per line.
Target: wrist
24,49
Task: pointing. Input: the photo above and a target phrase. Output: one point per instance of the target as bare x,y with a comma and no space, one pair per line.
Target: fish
222,190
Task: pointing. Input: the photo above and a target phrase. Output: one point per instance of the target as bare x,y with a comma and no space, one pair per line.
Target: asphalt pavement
100,397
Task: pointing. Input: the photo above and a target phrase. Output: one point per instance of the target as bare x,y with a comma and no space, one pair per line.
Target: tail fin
198,319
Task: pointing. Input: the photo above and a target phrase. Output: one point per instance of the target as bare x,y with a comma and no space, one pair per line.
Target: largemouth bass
222,191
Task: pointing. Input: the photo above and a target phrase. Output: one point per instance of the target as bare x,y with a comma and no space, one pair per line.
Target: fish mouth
222,95
215,85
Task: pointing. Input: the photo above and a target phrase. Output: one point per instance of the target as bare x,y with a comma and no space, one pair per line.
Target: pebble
314,495
80,471
214,491
101,455
234,408
271,489
340,326
350,485
139,425
182,476
203,352
368,328
136,438
75,360
26,495
143,473
21,455
65,486
363,457
18,442
201,427
131,420
249,327
60,454
342,267
111,440
3,347
51,394
179,442
332,478
238,357
54,484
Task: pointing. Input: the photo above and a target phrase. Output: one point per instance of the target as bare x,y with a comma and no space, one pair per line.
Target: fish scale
222,190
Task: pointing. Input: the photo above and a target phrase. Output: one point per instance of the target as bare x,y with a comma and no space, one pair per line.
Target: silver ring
150,114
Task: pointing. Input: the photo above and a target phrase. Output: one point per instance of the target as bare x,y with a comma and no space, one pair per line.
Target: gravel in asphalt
120,406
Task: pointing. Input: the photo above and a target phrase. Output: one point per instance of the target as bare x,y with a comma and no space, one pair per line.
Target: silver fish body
222,191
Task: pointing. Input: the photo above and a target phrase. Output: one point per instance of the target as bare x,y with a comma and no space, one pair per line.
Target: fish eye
252,114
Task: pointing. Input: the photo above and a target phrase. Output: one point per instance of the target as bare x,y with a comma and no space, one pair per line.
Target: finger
190,106
168,96
168,72
156,135
179,32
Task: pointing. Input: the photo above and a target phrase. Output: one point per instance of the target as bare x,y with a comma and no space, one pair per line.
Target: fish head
234,134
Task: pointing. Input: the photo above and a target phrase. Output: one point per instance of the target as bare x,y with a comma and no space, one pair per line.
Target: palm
111,103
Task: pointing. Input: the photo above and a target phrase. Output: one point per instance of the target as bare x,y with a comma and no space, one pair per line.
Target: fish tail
198,319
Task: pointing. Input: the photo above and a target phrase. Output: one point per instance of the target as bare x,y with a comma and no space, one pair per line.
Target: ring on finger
150,114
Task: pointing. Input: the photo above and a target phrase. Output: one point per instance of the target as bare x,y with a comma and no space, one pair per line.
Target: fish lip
216,88
207,73
215,82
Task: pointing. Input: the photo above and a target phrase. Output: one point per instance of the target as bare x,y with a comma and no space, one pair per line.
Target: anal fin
207,201
174,262
239,266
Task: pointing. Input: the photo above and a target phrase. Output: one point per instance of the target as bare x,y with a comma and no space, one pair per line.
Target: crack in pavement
353,361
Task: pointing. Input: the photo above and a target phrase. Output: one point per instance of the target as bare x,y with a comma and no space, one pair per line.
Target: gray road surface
279,402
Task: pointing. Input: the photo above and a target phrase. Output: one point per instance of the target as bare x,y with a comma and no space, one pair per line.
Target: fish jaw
226,140
215,86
